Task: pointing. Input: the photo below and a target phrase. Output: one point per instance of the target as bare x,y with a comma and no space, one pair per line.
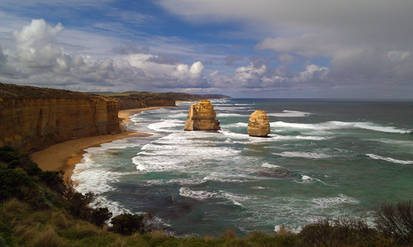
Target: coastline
65,155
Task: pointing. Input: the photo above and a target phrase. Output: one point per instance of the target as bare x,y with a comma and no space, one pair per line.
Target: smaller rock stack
259,125
201,116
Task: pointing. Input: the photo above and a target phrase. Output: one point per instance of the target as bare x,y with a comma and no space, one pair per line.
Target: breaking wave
388,159
287,113
306,155
205,195
332,125
328,202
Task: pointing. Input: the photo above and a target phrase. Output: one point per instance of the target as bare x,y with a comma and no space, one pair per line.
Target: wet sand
64,156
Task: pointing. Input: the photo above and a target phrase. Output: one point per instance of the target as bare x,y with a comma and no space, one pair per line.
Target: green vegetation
168,95
17,91
37,209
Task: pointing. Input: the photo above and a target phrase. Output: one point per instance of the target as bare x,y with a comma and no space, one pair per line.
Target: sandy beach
64,156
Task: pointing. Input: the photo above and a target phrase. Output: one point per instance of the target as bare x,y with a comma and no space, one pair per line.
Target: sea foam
332,125
388,159
288,113
205,195
306,155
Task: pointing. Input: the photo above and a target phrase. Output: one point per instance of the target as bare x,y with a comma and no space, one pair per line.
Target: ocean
324,158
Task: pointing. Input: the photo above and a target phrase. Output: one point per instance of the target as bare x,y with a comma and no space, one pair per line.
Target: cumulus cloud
39,58
365,42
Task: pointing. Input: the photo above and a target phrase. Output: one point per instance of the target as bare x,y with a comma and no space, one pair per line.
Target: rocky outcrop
259,125
201,116
33,118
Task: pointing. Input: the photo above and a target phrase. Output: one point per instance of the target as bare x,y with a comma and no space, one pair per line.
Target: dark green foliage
78,204
53,180
16,183
14,159
340,232
8,154
100,215
127,224
396,221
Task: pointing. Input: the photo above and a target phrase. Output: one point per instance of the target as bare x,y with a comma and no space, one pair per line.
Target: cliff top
17,91
168,95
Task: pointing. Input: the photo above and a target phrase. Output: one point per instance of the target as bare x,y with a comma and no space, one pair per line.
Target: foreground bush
396,221
128,223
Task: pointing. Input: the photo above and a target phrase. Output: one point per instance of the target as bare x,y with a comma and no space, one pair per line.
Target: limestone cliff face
201,116
34,118
259,125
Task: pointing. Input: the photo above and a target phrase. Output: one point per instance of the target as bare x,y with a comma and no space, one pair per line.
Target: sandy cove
64,156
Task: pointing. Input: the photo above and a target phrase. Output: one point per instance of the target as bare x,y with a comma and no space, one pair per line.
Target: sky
360,49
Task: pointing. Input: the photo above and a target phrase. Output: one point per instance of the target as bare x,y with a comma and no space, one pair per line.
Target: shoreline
66,155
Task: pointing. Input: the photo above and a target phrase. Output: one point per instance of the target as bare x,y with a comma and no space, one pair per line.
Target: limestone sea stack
259,125
201,116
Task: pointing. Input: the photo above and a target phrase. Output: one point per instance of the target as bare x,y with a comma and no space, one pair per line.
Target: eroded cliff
33,118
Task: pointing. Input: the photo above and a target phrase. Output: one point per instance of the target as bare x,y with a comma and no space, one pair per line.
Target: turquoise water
322,159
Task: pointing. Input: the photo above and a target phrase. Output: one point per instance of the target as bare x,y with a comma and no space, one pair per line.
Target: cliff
141,100
259,124
201,116
130,100
33,118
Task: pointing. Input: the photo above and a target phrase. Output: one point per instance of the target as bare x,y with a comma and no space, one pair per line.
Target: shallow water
322,159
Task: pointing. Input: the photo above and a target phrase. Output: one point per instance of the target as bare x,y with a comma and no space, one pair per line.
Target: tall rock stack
259,125
201,116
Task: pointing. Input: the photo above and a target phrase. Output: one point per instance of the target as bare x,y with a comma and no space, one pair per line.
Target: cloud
40,58
364,42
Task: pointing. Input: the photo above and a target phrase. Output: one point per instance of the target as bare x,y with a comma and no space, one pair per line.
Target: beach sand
65,155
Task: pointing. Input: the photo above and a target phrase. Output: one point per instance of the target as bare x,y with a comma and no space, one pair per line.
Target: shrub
127,224
396,221
100,215
16,183
53,180
340,232
78,204
8,154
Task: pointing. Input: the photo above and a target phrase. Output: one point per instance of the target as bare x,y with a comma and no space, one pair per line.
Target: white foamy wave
165,125
306,178
180,181
310,138
395,142
328,202
388,159
114,207
231,108
89,177
306,155
268,165
180,150
233,134
225,178
287,113
205,195
236,125
332,125
178,115
231,115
